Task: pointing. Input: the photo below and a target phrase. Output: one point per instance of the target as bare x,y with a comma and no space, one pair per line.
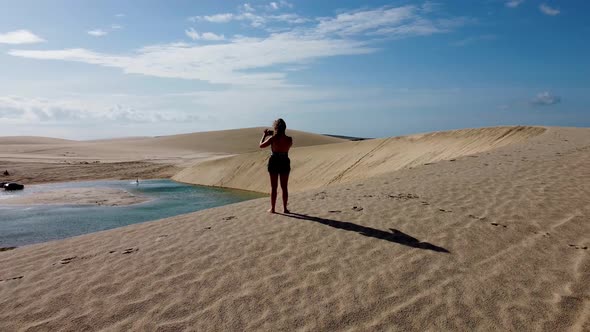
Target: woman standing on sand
279,164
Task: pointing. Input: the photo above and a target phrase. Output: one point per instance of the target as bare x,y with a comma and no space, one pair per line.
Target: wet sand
78,196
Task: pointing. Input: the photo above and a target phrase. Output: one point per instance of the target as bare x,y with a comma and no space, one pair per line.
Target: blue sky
83,70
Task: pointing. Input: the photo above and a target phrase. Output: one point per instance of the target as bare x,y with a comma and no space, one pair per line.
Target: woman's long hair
280,127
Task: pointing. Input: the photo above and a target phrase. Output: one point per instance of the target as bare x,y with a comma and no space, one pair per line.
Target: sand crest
40,159
322,165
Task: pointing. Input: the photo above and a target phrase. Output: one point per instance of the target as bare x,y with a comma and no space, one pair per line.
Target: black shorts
279,164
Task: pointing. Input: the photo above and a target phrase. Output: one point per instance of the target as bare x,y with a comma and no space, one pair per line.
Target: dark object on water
13,186
6,173
7,248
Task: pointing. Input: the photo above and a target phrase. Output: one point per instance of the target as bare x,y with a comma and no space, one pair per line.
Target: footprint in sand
404,197
207,227
443,210
161,237
320,195
476,217
229,218
578,247
14,278
424,203
334,211
496,224
357,208
67,260
129,251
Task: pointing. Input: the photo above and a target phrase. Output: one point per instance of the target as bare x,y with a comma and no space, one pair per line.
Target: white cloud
514,3
219,63
276,5
264,61
545,99
82,110
255,20
194,35
212,36
474,39
545,9
97,32
120,15
104,32
217,18
288,18
20,37
248,7
395,22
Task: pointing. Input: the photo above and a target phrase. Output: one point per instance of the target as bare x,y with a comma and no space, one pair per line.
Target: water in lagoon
32,224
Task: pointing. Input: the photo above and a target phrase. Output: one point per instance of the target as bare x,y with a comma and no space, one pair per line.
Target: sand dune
497,240
142,148
233,141
116,158
319,166
20,140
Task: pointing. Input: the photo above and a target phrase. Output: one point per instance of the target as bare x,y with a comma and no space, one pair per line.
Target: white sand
318,166
78,196
40,160
491,241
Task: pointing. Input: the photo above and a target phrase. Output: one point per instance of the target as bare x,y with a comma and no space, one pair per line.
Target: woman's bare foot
286,211
271,210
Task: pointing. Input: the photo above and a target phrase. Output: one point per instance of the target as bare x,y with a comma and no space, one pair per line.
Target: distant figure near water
279,164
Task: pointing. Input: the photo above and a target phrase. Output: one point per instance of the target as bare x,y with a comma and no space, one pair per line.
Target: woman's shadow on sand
394,236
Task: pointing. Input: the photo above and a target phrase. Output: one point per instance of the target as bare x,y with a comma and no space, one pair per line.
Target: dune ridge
40,159
5,140
319,166
187,146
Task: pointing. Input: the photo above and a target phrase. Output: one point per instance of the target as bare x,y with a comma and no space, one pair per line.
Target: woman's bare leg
274,179
285,190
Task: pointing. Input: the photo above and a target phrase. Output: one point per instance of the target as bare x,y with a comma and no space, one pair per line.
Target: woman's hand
264,141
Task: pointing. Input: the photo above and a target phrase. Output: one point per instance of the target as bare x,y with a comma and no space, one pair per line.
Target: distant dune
169,148
17,140
319,166
40,159
230,141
